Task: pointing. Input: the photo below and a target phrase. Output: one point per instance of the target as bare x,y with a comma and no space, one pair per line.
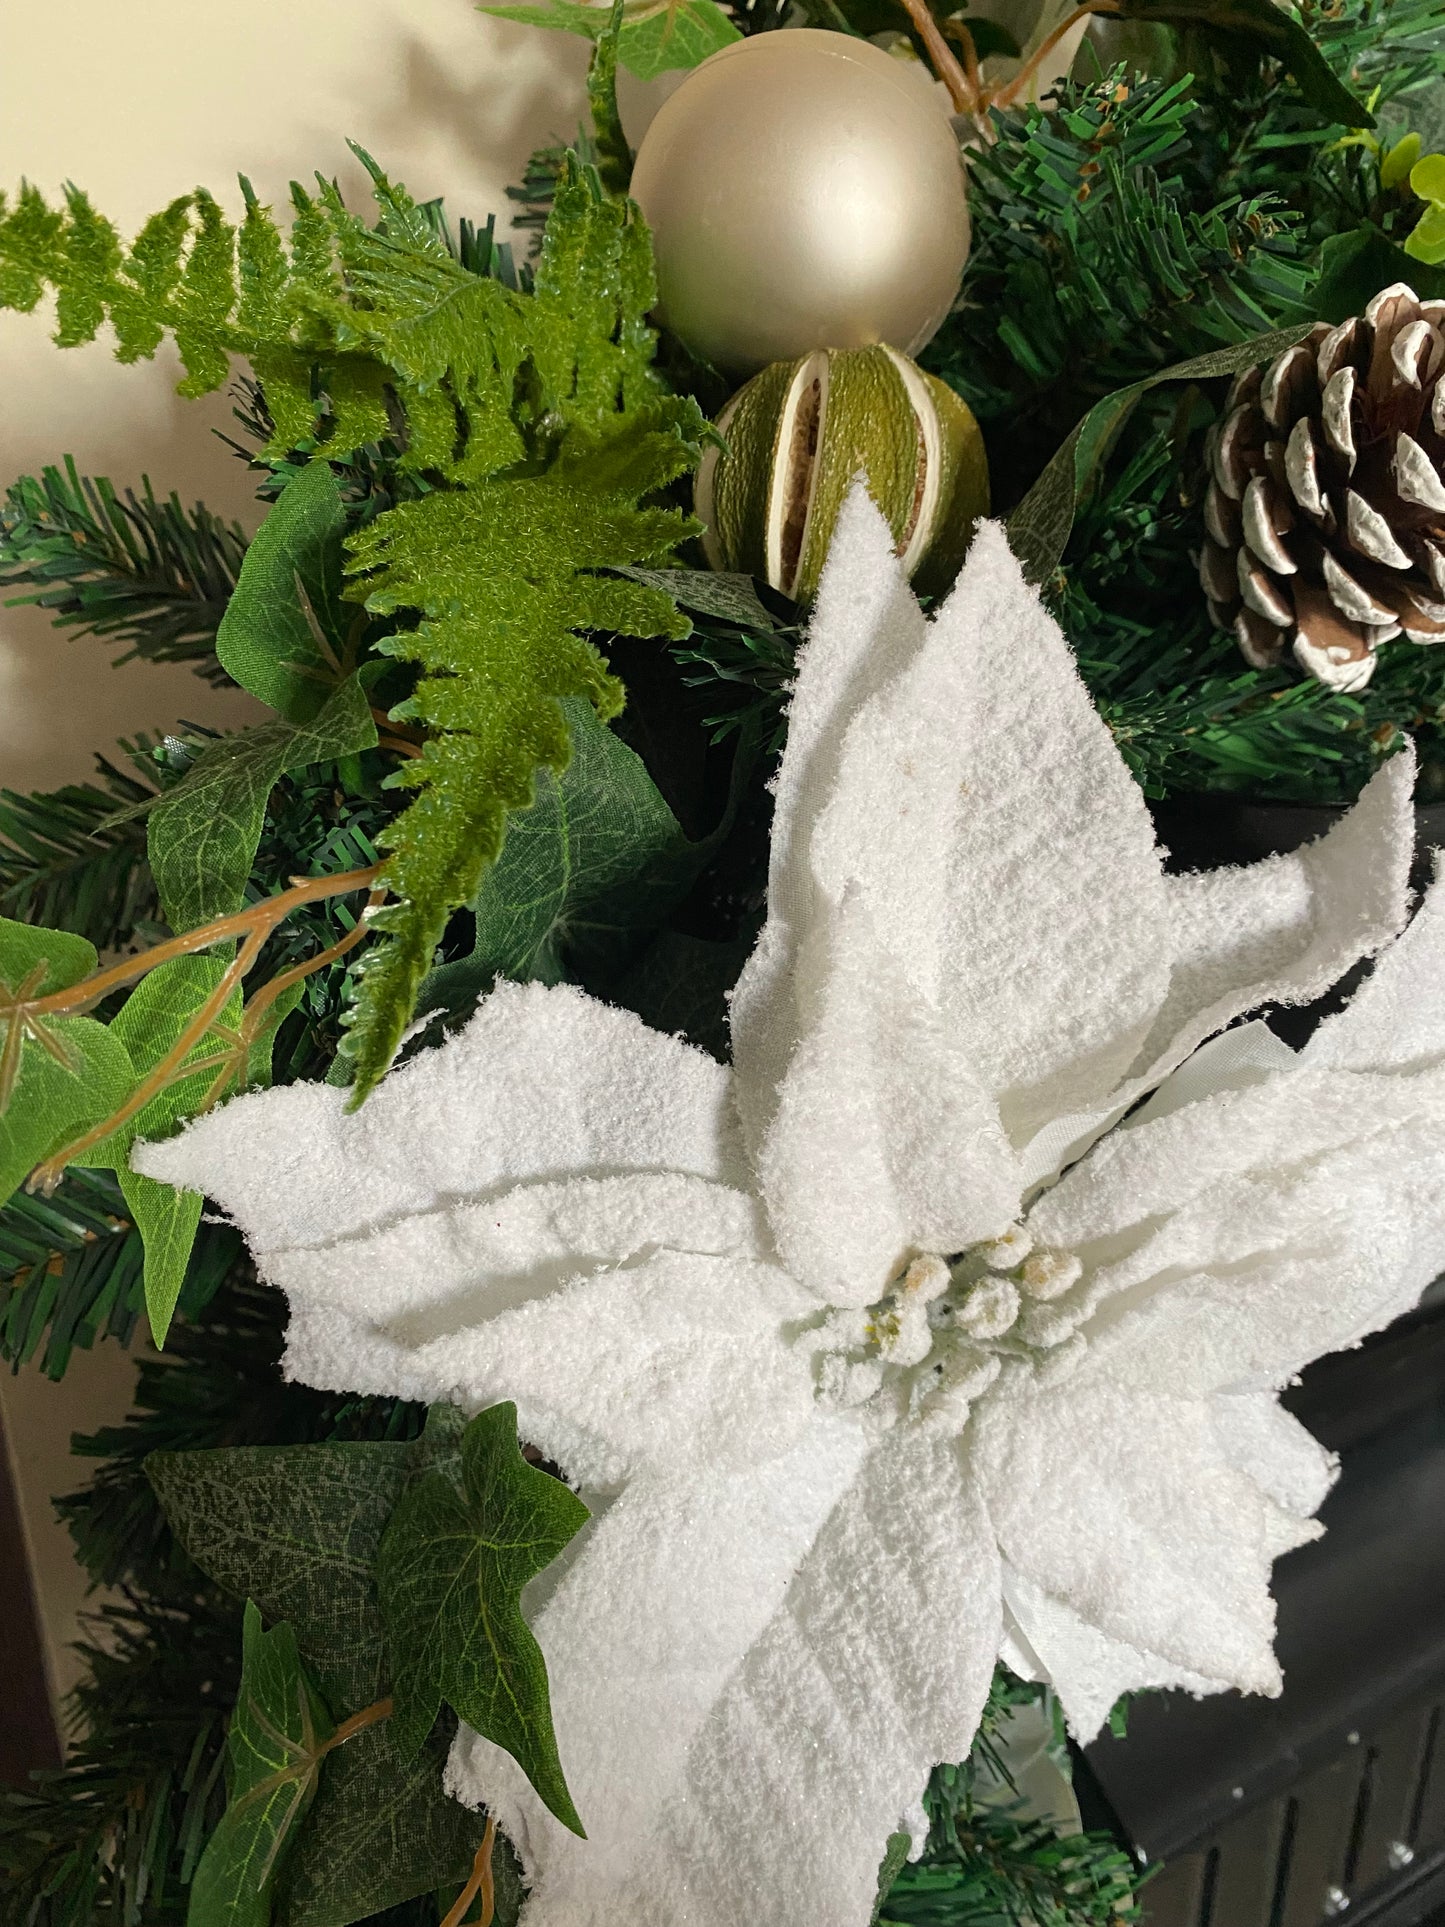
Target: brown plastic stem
256,924
368,1716
263,916
966,99
479,1881
1006,96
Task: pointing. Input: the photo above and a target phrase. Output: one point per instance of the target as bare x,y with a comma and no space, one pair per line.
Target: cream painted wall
137,103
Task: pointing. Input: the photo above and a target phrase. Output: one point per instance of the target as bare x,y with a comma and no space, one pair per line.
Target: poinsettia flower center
948,1329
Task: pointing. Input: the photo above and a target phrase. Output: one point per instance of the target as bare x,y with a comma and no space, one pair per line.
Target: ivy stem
479,1881
966,98
46,1176
368,1716
1006,96
263,916
256,924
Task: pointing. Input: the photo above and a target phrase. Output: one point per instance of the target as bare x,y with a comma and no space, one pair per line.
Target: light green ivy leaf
657,36
203,834
57,1074
288,592
149,1025
275,1747
454,1560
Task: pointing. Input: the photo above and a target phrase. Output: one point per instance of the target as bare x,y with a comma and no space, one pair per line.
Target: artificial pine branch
140,571
65,861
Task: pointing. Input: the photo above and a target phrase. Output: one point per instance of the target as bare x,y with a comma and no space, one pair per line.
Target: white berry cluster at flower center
948,1329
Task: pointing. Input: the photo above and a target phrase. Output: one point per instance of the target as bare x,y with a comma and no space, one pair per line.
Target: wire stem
966,98
1006,96
262,916
368,1716
479,1881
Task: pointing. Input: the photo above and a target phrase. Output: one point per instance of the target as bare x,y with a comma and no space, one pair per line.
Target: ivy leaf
597,860
288,593
671,34
297,1528
275,1747
149,1025
1038,529
452,1568
680,984
57,1074
708,592
1355,266
1275,33
203,834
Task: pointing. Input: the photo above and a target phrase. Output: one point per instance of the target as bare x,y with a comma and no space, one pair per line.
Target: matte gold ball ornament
800,433
804,190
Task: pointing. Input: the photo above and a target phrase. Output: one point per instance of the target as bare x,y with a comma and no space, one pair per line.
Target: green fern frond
138,570
501,573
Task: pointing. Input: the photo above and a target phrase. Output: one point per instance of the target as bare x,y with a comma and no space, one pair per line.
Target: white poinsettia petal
802,1652
866,624
1088,1670
1396,1020
1228,1244
1054,939
662,1358
1262,1439
1119,1503
881,1141
542,1083
1284,929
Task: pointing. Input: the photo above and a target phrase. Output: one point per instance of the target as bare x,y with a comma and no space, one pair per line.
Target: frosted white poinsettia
861,1391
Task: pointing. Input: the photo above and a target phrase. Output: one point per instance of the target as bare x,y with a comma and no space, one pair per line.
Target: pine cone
1326,507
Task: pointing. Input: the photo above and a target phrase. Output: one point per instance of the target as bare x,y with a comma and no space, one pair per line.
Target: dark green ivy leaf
453,1564
297,1528
597,861
1276,33
289,589
275,1747
203,834
1354,267
1038,529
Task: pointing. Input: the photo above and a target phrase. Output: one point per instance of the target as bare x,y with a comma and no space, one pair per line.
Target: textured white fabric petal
882,1141
866,624
1054,942
1229,1243
674,1358
1089,1671
542,1083
1268,1443
1396,1020
1119,1503
1284,929
782,1778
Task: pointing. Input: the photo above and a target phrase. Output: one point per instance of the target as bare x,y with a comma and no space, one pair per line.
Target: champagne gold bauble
801,431
804,190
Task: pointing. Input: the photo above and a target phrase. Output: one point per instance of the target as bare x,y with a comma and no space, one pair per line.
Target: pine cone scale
1324,517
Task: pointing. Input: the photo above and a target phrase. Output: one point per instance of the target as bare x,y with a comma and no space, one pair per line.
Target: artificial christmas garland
475,471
